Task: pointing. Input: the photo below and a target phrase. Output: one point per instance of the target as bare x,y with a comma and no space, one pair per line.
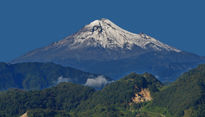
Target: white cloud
97,82
62,79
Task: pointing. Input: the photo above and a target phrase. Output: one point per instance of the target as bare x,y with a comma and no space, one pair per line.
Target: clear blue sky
29,24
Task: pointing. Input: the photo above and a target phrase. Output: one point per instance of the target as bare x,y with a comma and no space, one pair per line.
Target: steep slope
134,95
43,75
67,99
105,48
117,98
186,96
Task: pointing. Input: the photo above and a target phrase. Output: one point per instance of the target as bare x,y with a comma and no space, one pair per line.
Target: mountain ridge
32,76
133,95
74,100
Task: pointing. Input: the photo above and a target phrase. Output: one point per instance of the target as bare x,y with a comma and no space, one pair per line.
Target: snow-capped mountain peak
104,33
102,47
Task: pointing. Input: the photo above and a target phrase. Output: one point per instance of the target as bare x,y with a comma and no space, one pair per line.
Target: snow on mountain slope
106,34
102,47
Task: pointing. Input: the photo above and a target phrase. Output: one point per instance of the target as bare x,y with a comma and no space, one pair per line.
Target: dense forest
60,99
186,96
134,95
76,100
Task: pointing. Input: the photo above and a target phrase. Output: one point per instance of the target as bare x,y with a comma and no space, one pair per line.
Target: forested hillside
134,95
41,75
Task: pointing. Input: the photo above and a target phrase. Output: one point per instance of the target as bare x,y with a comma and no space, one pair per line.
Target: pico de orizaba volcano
103,47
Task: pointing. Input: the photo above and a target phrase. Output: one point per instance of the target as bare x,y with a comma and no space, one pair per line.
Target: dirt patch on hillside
143,96
24,115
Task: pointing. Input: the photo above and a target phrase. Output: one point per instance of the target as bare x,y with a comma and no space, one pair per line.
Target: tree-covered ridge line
182,98
72,98
39,75
186,96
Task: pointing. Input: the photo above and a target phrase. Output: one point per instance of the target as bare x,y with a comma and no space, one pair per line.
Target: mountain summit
104,33
105,48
